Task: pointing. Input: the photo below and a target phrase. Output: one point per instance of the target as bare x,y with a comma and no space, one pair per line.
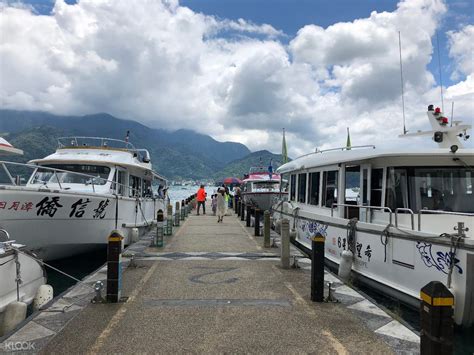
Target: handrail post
57,179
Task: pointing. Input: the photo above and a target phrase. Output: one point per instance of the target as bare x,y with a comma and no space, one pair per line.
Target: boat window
302,188
135,185
446,189
330,188
147,192
293,187
376,181
119,187
313,189
352,185
44,176
397,189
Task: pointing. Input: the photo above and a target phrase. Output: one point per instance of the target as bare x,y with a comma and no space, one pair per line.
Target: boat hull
59,224
398,266
263,200
32,277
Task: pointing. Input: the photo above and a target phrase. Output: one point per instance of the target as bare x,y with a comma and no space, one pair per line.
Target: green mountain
179,154
239,167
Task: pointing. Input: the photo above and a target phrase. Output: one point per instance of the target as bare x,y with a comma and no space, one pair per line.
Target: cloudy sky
242,70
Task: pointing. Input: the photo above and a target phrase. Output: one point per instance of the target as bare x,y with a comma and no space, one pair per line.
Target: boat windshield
44,176
444,189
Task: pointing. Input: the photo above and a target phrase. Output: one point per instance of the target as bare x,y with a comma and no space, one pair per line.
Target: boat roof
92,155
263,177
7,149
344,155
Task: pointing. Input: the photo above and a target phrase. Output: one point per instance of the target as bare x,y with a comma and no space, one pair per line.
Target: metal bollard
169,221
159,240
114,268
257,223
266,229
317,268
249,214
186,209
176,214
239,208
437,323
234,205
182,210
285,244
242,211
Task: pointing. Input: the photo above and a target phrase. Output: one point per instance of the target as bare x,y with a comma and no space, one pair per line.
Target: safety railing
368,208
426,211
412,216
92,178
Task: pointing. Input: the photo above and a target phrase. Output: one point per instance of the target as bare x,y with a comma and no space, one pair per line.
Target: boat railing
412,216
55,171
80,141
317,151
368,208
427,211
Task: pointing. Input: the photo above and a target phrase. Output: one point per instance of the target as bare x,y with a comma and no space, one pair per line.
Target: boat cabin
98,165
376,186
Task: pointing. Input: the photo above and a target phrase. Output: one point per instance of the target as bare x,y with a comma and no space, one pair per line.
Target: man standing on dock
201,199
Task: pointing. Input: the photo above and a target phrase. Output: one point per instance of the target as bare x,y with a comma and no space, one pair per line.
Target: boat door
364,192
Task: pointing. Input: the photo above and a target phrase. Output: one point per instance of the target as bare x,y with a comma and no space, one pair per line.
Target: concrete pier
214,288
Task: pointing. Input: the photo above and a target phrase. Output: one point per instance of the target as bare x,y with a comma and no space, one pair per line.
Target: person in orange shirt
201,199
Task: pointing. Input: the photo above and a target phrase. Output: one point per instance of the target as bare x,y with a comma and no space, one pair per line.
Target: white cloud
462,50
167,66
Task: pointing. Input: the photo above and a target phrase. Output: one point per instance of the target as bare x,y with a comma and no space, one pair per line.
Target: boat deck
213,288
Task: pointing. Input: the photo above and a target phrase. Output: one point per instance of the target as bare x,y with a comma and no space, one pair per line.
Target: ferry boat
76,196
411,223
261,188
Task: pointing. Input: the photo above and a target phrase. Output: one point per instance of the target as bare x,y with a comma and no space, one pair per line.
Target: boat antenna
440,77
401,81
452,112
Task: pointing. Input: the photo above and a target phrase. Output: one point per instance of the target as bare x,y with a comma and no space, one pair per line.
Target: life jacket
201,195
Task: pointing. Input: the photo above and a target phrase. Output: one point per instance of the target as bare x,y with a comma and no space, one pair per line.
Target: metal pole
176,214
266,229
114,268
285,244
249,213
242,212
437,323
317,268
257,223
159,240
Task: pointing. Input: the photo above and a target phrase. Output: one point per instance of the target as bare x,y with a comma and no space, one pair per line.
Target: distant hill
179,154
241,166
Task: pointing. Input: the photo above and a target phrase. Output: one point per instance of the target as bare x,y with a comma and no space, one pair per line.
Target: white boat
20,274
261,188
76,196
411,223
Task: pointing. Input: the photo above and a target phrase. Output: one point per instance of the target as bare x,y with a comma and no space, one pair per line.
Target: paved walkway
213,288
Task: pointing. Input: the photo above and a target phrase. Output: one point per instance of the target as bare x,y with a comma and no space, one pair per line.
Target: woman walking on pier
221,208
